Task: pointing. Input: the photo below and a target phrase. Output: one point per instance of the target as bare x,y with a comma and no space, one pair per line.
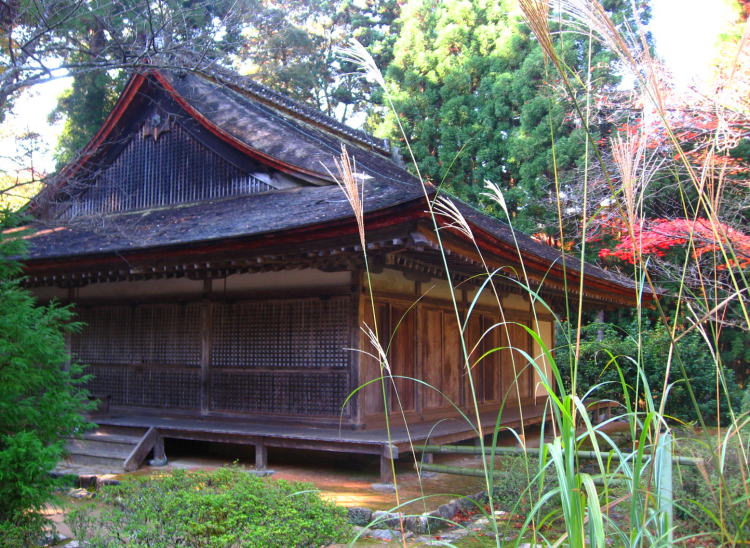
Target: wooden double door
427,367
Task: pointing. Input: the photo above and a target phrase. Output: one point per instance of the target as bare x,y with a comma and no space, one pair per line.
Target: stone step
106,437
108,447
100,448
136,431
95,448
101,464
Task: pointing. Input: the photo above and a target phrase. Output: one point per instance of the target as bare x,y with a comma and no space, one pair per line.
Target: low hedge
226,507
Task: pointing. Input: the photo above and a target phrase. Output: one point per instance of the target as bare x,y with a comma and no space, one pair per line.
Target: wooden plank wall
423,342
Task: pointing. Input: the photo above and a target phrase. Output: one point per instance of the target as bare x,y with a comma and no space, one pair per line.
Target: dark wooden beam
261,456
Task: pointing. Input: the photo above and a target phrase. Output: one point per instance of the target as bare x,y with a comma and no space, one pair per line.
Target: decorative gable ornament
157,124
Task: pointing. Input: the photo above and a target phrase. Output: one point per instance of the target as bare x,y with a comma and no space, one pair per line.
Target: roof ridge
247,86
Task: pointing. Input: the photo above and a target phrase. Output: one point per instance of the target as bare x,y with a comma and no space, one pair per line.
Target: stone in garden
455,534
85,481
386,519
384,487
262,473
416,524
50,538
359,516
447,510
80,493
384,534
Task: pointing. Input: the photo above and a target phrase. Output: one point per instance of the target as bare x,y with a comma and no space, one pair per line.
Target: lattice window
165,387
279,392
168,334
146,387
174,168
106,336
110,381
146,334
279,334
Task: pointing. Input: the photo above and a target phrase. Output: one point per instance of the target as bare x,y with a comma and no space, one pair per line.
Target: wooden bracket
150,440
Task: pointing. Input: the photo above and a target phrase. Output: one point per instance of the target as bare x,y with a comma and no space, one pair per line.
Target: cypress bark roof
310,143
278,132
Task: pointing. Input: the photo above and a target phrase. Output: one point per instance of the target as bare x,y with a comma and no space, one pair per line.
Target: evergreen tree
40,398
470,86
288,45
291,46
175,34
84,107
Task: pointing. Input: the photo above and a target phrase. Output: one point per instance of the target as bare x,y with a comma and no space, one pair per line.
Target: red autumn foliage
658,236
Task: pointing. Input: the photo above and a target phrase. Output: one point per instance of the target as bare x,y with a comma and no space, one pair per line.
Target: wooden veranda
288,435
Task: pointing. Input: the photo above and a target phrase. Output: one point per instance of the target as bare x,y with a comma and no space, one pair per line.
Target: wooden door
516,372
402,358
440,357
371,395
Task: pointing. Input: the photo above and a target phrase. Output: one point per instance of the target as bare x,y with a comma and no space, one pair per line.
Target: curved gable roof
285,136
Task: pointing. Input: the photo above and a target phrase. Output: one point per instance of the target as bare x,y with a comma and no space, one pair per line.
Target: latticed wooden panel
166,334
295,393
175,168
286,356
279,334
106,337
109,381
146,386
165,387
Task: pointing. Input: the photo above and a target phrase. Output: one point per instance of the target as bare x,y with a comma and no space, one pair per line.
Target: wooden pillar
261,456
386,470
600,328
418,351
387,458
205,330
355,404
159,450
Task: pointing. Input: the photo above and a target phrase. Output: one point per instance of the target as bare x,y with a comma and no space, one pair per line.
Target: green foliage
735,352
84,106
596,369
40,396
477,101
291,47
715,492
23,530
517,490
745,406
99,29
224,507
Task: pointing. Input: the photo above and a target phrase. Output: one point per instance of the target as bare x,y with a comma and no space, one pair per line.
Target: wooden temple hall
219,272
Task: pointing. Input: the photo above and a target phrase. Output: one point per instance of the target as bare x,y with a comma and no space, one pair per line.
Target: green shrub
41,398
700,367
23,530
745,407
222,508
517,489
712,497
